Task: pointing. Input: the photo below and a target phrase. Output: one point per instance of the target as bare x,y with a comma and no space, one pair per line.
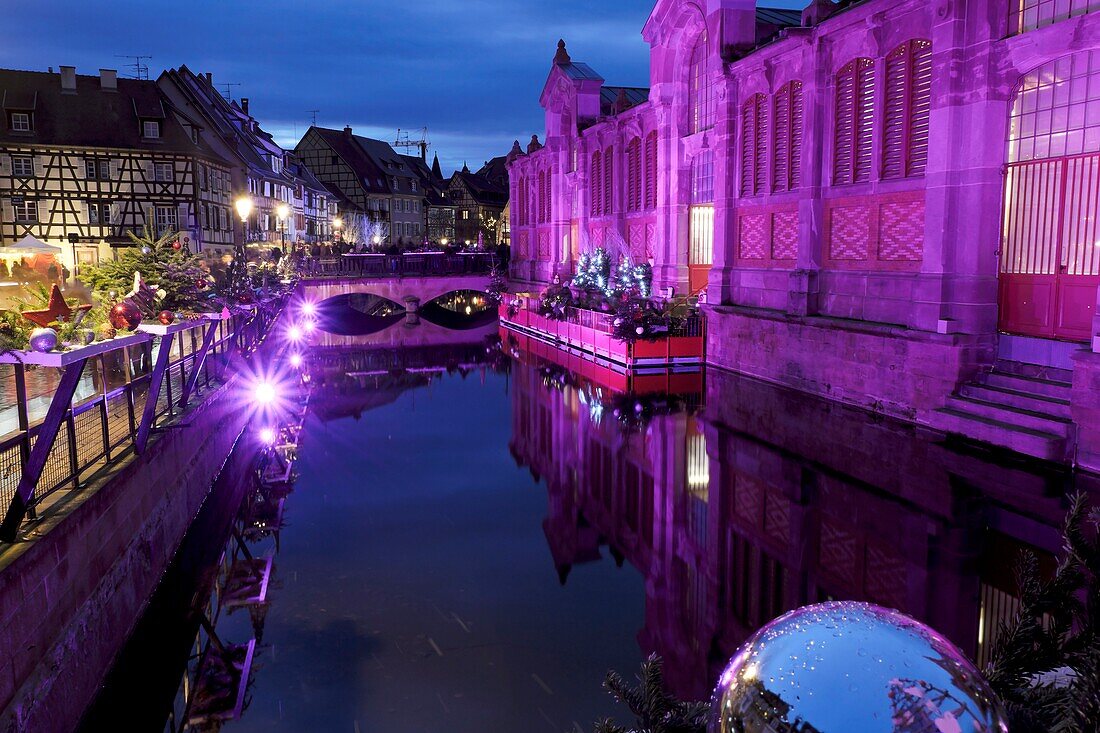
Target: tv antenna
228,93
137,68
407,143
313,113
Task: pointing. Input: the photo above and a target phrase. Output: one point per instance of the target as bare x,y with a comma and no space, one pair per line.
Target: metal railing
413,264
108,415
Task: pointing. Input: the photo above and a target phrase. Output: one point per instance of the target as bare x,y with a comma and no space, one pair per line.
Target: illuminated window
1056,110
908,98
700,93
22,166
1027,15
852,141
26,210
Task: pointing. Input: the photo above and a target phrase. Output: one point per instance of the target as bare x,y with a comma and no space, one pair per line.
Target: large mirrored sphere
852,668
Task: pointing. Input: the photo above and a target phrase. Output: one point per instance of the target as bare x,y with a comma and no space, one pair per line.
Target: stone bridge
408,291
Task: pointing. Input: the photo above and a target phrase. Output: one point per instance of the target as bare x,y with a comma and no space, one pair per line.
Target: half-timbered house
86,160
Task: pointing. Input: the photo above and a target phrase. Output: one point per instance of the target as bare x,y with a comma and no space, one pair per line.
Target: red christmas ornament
176,245
200,284
125,316
166,317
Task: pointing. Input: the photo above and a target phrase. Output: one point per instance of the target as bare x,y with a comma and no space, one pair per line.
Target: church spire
437,171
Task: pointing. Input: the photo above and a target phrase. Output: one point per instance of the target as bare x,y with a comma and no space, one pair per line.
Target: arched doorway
1050,255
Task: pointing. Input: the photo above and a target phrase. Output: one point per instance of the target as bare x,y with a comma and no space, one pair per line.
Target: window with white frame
26,210
99,213
150,128
22,166
163,172
21,122
166,219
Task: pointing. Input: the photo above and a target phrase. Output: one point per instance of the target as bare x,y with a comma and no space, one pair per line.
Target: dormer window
150,129
21,122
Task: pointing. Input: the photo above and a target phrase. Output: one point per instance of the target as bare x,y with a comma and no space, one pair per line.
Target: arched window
787,163
634,175
754,146
1027,15
908,98
651,170
700,94
595,182
608,181
1050,258
855,107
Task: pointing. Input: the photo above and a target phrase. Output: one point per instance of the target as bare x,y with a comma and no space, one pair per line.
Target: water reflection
767,500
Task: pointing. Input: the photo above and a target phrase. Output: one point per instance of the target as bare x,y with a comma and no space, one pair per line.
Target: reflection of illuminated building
766,711
758,508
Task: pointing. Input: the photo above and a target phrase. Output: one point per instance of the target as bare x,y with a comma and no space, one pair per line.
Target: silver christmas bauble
846,667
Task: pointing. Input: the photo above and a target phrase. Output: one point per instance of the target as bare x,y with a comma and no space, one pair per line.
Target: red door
1050,261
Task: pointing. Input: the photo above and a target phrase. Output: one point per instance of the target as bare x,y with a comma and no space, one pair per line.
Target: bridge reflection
764,501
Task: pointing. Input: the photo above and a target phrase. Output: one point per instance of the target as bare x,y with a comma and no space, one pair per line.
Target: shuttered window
595,177
852,141
608,181
754,146
651,170
908,97
787,116
633,175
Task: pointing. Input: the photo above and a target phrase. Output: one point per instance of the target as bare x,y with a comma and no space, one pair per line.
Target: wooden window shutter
920,106
5,165
908,91
748,147
852,134
596,183
760,152
651,171
787,137
608,181
795,177
7,211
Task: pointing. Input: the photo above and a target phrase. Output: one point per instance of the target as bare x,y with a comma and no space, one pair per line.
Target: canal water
481,529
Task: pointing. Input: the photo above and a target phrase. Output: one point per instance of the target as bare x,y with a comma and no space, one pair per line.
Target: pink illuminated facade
882,201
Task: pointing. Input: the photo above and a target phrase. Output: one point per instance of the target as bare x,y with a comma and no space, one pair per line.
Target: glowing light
267,435
282,211
309,326
750,672
337,223
294,333
469,310
265,393
308,308
443,241
296,360
243,205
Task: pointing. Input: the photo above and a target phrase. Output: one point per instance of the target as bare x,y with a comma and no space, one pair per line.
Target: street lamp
283,212
243,205
337,225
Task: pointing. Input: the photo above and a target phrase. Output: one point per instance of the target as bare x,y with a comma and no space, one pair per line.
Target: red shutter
595,183
919,106
748,146
632,173
894,122
852,142
788,137
651,171
760,155
608,180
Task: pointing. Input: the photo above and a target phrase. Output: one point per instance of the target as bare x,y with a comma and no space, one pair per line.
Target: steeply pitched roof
346,146
92,116
496,171
483,190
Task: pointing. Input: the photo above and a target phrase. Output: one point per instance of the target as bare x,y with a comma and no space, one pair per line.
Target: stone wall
885,369
70,597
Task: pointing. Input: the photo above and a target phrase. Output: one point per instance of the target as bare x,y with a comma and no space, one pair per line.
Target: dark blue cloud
469,70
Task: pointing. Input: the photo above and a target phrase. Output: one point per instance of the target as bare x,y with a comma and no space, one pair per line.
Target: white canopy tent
30,245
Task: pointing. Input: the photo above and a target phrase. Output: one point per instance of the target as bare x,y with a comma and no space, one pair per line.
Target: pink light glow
296,360
265,393
294,333
267,435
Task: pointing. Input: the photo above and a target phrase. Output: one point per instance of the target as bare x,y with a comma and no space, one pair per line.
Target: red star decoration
57,310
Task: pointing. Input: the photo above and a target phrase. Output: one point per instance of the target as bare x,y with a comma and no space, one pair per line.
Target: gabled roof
93,116
580,71
346,145
496,171
481,189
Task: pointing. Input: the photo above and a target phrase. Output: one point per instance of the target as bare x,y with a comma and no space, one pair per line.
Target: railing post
24,420
74,458
149,414
198,365
40,453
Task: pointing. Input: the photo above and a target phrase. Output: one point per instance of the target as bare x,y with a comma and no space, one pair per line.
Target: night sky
469,70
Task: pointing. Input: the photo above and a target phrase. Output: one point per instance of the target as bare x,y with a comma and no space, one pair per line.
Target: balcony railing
98,404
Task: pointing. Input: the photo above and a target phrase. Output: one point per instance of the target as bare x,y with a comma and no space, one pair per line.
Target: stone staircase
1021,408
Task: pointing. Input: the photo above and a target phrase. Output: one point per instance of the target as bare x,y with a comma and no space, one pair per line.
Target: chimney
737,26
210,78
244,105
68,79
817,11
347,130
108,80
